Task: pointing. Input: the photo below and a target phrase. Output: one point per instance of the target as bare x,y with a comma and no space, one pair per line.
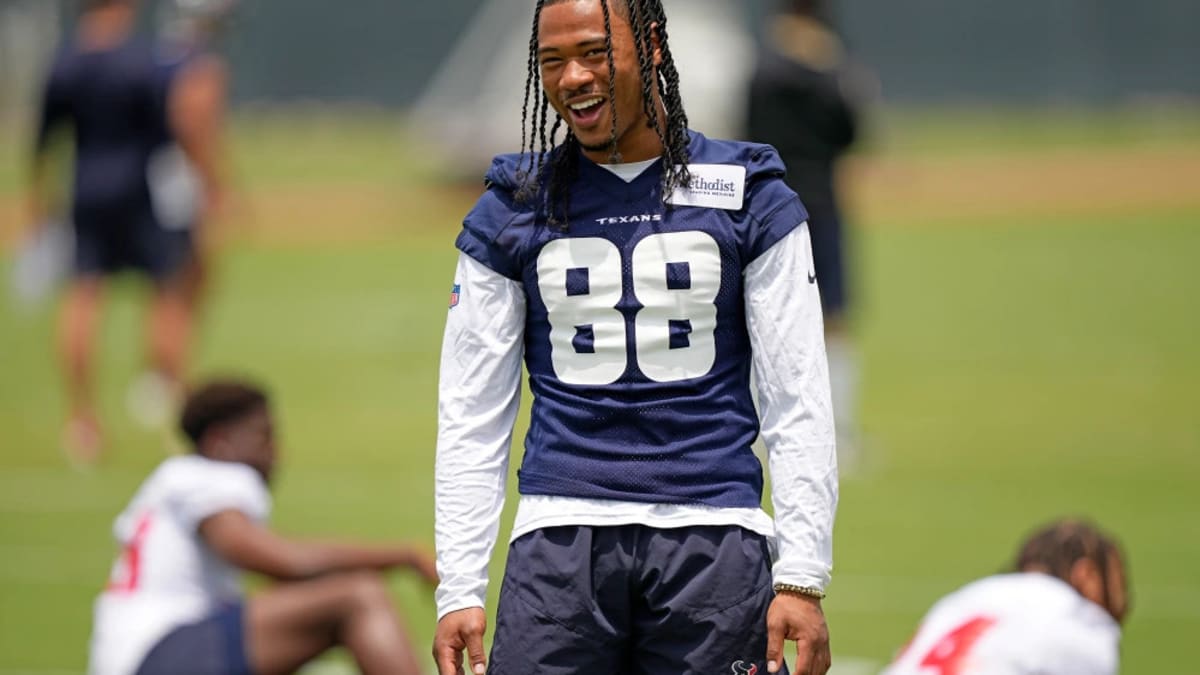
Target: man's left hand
801,620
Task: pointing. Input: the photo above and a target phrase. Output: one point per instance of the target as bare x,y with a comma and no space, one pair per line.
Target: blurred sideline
345,174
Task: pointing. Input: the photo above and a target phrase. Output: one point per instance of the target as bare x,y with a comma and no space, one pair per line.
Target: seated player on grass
1060,613
173,603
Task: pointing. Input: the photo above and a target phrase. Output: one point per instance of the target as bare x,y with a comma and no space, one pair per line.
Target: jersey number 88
676,277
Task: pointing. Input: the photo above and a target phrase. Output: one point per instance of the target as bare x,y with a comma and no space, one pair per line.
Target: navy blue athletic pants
634,600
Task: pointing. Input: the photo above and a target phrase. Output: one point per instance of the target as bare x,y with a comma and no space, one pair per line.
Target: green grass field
1019,364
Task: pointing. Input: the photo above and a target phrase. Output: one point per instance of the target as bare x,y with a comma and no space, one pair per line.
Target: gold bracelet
806,591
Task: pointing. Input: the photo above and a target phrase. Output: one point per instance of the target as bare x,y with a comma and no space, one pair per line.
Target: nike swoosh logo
812,278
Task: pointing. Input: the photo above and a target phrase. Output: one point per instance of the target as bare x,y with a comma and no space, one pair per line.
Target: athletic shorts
108,241
634,600
213,646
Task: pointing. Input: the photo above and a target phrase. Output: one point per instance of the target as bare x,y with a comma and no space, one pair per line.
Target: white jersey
166,576
1013,624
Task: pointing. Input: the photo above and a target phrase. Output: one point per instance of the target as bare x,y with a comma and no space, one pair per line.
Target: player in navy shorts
108,90
638,271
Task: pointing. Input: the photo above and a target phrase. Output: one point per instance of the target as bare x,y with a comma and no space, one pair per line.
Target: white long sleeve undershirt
479,392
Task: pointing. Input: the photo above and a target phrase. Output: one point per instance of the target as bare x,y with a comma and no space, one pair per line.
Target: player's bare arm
801,620
458,631
250,546
197,106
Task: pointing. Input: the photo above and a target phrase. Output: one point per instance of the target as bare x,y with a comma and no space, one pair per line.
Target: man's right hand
459,630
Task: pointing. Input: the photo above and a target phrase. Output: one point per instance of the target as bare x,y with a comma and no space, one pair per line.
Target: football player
1059,612
106,88
640,271
187,169
174,604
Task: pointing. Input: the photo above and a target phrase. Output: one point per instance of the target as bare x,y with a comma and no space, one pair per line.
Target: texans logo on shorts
454,295
740,668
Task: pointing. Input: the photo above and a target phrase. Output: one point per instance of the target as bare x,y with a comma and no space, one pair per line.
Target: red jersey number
129,568
949,655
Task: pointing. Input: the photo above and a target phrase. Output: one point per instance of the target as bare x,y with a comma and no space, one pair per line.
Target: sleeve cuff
452,600
807,573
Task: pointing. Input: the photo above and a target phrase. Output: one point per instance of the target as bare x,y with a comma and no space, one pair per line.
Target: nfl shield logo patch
454,295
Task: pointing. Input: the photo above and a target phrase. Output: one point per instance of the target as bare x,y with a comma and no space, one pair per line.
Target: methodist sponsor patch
714,186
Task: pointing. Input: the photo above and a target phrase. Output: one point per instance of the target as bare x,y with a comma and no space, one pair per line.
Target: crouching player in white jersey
1059,614
173,603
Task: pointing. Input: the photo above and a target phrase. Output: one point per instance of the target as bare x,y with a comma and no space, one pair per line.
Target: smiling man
640,271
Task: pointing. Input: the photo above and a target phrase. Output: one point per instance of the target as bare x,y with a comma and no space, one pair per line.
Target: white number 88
676,278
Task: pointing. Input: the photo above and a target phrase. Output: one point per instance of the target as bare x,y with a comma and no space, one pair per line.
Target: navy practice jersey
113,100
635,341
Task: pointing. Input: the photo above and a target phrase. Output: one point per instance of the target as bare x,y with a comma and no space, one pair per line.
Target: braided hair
1056,548
545,158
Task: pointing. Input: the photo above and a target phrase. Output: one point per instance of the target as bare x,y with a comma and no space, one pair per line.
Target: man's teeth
582,105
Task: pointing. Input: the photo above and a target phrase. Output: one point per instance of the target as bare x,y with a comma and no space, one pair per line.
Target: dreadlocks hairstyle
1056,547
216,403
544,157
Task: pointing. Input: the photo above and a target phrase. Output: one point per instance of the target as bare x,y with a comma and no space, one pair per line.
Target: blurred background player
174,595
189,184
800,101
186,172
106,88
1060,612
